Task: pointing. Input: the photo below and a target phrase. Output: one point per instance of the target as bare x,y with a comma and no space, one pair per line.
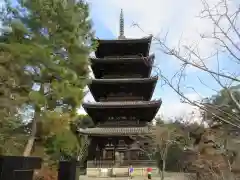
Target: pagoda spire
121,26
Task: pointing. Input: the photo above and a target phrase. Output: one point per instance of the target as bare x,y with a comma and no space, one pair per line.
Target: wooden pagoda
122,88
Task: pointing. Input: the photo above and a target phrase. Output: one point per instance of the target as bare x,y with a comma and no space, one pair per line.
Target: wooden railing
125,163
125,97
122,123
118,76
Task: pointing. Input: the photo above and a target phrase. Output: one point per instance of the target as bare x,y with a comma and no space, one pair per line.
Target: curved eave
126,104
127,40
114,60
125,80
115,131
126,47
140,87
138,65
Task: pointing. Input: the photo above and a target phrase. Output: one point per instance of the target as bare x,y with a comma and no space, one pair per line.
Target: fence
22,168
125,163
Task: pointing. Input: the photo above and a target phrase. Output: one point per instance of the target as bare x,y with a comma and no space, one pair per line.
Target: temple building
122,88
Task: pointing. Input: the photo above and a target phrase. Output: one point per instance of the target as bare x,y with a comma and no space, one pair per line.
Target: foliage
83,121
52,38
12,137
222,111
54,123
174,160
64,141
57,136
62,145
174,157
165,136
221,105
44,60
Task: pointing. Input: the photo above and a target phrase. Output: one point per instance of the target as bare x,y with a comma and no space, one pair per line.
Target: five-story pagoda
122,89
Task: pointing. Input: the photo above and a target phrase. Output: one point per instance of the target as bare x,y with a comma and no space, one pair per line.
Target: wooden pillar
104,154
129,155
67,170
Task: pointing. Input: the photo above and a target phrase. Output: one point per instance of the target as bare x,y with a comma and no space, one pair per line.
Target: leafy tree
82,121
165,136
60,137
12,136
62,145
221,106
47,42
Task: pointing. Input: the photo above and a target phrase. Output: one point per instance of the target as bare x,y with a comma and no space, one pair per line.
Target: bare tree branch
227,39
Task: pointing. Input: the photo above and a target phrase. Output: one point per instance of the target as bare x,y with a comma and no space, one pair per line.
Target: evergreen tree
222,106
47,43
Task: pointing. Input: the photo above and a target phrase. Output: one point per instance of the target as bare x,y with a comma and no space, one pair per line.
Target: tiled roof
115,131
123,104
123,80
148,38
122,58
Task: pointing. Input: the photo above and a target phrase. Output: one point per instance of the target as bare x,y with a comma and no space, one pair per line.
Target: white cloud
173,108
87,98
178,18
1,6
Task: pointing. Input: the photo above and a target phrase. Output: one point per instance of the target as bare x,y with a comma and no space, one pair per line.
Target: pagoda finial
121,26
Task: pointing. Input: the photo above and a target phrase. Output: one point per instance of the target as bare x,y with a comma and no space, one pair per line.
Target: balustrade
125,163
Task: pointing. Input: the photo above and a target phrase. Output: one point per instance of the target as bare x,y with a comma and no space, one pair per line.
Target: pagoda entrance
115,152
111,152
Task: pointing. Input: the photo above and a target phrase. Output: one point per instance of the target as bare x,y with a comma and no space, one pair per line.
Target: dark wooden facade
113,67
123,109
124,90
123,48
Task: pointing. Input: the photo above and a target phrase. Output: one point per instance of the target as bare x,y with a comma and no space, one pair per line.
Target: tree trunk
31,139
163,169
234,99
36,118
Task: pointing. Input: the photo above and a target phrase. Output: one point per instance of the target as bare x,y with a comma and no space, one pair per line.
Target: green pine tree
47,42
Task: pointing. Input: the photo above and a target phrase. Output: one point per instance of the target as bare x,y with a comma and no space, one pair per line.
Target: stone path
169,176
135,178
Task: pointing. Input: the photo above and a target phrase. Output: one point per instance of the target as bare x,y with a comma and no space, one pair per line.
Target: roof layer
123,89
125,80
143,111
123,59
121,47
117,67
116,131
123,104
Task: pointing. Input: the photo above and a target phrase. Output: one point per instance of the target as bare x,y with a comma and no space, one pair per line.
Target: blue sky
179,19
157,17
